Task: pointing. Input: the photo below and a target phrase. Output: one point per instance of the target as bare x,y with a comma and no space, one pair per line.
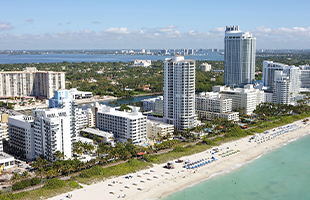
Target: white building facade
155,128
239,57
305,76
153,104
210,106
179,92
283,81
243,99
123,125
30,82
52,133
21,136
205,67
142,63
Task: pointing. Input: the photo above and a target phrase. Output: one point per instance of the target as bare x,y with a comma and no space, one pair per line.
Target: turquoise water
283,173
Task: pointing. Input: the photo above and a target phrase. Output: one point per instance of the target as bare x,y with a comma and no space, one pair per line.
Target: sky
145,24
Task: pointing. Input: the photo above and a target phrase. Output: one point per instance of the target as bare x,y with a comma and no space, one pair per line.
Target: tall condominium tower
30,82
239,67
179,92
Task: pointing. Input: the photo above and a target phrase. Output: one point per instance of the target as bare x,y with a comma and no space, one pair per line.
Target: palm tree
59,155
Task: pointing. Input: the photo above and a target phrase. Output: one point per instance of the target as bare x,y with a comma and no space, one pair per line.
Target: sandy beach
156,182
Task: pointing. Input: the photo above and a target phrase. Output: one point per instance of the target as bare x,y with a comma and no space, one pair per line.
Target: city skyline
150,25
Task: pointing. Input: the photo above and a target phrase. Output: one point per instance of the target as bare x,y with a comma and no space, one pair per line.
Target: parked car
16,171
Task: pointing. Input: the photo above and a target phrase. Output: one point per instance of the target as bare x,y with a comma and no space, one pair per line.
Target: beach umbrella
135,183
112,192
127,186
110,184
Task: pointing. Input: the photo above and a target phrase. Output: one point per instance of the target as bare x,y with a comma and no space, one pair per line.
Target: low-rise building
210,105
92,133
142,63
205,67
243,99
155,128
7,161
75,94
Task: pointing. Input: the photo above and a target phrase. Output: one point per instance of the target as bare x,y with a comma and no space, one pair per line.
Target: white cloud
5,26
160,37
116,30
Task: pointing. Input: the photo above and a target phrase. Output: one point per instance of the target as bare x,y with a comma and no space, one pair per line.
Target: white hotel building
283,81
179,92
52,133
123,125
245,99
30,82
21,137
210,105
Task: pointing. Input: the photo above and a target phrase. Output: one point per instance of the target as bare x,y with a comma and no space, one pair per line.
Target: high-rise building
52,133
31,82
153,104
65,99
286,86
283,81
305,76
239,58
179,92
21,137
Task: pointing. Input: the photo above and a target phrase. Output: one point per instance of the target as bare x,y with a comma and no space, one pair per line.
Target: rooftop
98,132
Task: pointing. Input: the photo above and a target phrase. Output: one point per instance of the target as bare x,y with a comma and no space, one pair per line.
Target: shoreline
159,182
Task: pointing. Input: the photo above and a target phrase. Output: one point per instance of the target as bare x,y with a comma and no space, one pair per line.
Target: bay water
51,58
283,173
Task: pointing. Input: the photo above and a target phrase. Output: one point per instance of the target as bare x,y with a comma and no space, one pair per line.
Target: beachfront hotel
210,105
283,81
21,138
124,125
179,92
30,82
243,99
155,128
52,133
239,57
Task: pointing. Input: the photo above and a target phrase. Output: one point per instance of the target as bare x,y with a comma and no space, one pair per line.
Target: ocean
49,58
283,173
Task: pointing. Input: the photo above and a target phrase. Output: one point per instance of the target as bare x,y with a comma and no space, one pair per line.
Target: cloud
68,23
96,22
116,30
5,26
29,20
158,37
